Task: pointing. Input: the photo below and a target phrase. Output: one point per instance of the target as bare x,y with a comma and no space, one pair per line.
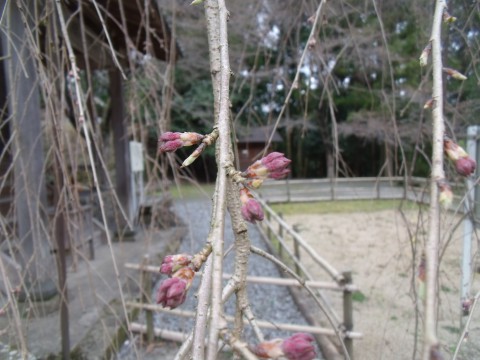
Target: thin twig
467,326
291,272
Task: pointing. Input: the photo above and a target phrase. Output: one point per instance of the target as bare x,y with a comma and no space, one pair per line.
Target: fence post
296,250
269,229
280,234
348,312
146,288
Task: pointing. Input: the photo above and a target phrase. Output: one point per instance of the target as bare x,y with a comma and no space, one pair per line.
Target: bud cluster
171,141
272,166
173,291
297,347
446,194
251,209
464,164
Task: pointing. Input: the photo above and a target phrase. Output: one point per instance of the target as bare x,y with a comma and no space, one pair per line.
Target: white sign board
136,156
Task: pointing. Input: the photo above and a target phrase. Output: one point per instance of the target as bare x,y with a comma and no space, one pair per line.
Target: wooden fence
286,243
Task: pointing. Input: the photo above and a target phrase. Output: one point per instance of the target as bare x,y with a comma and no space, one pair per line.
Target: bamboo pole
261,323
266,280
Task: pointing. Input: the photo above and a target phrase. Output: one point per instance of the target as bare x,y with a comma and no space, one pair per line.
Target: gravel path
270,303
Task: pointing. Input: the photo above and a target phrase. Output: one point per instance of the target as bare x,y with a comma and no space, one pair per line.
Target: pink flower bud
169,136
251,210
173,263
171,146
273,166
269,349
465,166
175,140
299,347
172,293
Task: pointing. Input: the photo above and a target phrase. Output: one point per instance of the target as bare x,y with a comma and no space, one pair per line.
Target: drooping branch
437,174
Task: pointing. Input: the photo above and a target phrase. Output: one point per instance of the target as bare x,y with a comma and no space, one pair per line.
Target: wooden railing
285,241
145,303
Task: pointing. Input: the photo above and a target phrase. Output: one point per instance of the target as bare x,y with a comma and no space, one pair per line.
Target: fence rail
277,232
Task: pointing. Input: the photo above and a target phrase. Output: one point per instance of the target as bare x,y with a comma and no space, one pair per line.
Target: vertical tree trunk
121,145
29,170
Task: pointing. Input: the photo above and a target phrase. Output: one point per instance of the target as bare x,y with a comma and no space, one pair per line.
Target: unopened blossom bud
256,183
269,349
251,210
173,291
446,194
454,74
171,146
464,164
299,347
175,140
173,263
447,18
466,306
428,104
425,54
273,166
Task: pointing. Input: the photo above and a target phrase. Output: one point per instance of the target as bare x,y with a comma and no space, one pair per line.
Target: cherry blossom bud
251,210
269,349
173,263
466,306
273,166
171,146
464,164
299,347
175,140
447,18
454,73
425,54
446,194
428,104
173,291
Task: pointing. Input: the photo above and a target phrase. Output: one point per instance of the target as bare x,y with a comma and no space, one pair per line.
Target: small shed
251,142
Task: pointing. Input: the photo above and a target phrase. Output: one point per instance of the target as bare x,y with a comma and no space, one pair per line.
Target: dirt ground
377,248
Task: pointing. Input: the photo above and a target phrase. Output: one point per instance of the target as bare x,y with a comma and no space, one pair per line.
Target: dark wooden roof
257,134
127,22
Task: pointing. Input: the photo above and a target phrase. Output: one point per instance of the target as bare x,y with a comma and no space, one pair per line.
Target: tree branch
432,244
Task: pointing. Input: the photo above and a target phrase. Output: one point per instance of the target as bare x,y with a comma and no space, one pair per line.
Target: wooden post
296,251
269,229
121,144
280,234
348,312
146,289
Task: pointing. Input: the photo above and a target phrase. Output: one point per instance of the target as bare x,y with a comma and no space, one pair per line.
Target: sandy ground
377,248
